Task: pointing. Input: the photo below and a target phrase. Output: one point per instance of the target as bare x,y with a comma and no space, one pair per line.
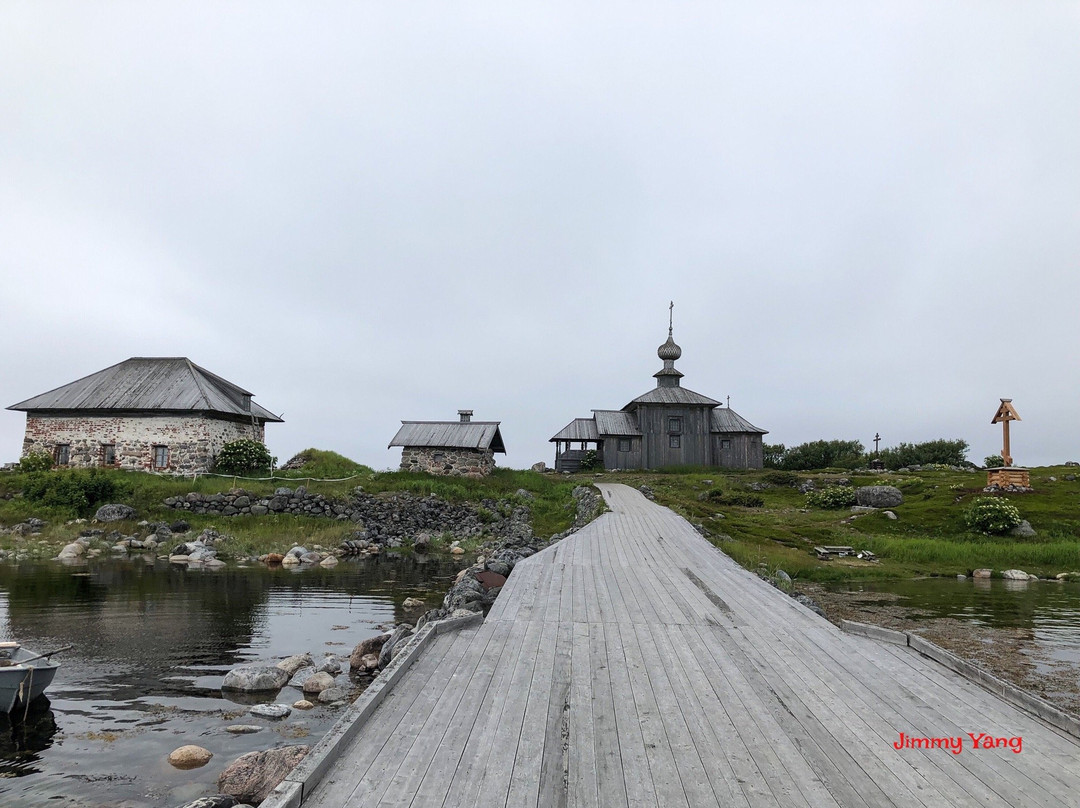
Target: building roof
725,419
170,384
673,395
578,429
450,435
614,422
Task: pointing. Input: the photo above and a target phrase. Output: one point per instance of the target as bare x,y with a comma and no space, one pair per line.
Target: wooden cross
1006,412
877,440
670,315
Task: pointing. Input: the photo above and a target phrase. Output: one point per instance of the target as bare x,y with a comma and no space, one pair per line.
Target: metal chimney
465,416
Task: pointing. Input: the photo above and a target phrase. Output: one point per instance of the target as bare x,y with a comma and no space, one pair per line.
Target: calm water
152,643
1050,612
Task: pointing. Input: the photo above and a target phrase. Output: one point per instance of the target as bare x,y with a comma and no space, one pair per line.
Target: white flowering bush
242,455
994,515
831,498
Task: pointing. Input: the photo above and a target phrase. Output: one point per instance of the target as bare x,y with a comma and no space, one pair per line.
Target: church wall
657,452
743,450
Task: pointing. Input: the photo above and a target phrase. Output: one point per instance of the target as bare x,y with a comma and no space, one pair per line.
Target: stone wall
448,462
193,441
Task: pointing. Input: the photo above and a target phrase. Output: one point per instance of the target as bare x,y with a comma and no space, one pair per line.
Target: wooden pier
633,664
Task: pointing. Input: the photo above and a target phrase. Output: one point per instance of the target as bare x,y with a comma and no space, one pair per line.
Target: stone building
667,426
462,448
148,413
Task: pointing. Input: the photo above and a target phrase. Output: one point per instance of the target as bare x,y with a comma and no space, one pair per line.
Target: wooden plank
607,745
555,763
525,777
637,775
583,771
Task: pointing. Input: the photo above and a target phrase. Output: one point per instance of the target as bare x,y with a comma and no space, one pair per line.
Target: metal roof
150,383
578,429
725,419
613,422
450,435
673,395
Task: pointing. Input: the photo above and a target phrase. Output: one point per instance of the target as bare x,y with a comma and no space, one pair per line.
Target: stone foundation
449,462
191,441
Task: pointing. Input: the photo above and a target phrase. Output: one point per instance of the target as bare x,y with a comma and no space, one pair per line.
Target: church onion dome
669,350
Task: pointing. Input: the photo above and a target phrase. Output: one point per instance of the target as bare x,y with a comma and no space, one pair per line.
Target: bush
744,500
787,479
83,490
944,452
994,461
591,461
712,495
35,461
820,454
993,515
773,454
831,498
242,456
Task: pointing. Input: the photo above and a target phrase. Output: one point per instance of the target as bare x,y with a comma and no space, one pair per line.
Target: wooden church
667,426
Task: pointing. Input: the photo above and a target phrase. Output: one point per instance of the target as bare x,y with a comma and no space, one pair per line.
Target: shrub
820,454
944,452
744,500
773,454
993,515
994,461
831,498
83,490
788,479
591,461
35,461
712,495
241,456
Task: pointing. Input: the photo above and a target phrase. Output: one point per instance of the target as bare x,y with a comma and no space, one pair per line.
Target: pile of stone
300,556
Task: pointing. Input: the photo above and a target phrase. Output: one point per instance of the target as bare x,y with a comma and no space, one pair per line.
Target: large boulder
190,757
372,645
251,777
318,682
1024,530
255,678
295,662
879,496
115,513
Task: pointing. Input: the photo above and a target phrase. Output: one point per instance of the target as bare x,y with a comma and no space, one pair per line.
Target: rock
783,580
372,645
489,579
318,682
1024,530
863,509
540,467
190,757
302,676
73,550
290,561
400,635
879,496
271,710
243,729
983,573
1015,575
1069,477
368,662
255,678
961,577
457,551
180,526
332,694
251,777
115,513
297,551
422,542
890,515
295,662
413,603
302,704
498,567
274,558
214,801
329,561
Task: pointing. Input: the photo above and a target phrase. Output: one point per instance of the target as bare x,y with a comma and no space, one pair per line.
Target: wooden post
1005,413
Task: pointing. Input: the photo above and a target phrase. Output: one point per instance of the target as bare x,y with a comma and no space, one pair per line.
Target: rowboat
24,675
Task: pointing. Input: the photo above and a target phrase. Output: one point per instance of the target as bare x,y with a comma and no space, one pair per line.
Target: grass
552,505
929,536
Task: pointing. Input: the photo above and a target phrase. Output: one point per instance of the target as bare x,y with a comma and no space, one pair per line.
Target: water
152,643
1046,614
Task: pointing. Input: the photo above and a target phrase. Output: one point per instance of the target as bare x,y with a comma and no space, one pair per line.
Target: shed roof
614,422
169,384
450,435
673,395
578,429
725,419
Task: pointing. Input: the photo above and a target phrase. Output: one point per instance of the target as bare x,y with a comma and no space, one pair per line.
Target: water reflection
152,643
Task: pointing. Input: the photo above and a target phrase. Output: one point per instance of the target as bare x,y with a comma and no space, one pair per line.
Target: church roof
673,395
168,384
450,435
578,429
725,419
614,422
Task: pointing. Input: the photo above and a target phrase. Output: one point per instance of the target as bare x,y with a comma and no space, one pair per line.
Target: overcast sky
867,214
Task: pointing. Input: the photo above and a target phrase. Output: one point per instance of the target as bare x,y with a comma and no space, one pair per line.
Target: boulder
413,603
331,664
243,729
214,801
115,513
318,682
540,467
372,645
367,663
1015,575
251,777
297,550
271,710
302,676
422,542
879,496
400,636
255,678
1024,530
329,561
73,550
295,662
190,757
302,704
274,558
983,573
332,694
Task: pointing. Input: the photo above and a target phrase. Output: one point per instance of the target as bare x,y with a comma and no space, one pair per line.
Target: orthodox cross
670,315
1006,412
729,402
877,440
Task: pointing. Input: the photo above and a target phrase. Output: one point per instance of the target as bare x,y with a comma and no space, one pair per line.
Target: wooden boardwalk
633,664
